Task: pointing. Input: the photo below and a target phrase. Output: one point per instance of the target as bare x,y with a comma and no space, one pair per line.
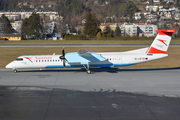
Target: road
77,45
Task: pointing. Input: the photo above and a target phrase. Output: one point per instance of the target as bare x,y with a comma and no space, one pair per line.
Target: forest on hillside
75,10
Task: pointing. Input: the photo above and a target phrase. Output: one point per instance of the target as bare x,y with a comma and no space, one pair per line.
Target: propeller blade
63,53
64,61
63,58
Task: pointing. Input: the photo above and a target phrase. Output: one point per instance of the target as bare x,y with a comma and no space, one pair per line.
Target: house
96,2
156,1
152,8
137,16
147,2
112,26
11,37
177,16
26,3
169,1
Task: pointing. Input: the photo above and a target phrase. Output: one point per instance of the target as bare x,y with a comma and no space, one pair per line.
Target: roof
10,35
107,24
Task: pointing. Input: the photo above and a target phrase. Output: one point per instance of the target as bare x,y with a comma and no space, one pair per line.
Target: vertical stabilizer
161,42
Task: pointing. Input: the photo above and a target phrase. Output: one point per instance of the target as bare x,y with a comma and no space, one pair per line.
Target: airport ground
147,91
107,94
140,41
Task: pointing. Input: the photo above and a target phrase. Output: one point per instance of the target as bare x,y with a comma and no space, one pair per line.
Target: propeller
63,57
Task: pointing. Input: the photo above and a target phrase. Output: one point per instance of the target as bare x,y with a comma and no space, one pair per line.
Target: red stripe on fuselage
152,50
28,58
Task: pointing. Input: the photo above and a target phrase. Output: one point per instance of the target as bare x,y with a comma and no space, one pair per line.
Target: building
129,29
145,29
112,26
156,1
137,16
152,8
49,27
132,29
11,37
21,15
17,26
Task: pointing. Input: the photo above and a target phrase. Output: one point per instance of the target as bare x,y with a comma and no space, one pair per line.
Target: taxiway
107,94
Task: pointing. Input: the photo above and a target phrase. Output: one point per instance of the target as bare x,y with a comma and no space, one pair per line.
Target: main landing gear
87,69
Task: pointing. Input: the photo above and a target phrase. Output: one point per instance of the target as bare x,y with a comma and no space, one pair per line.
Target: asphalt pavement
106,94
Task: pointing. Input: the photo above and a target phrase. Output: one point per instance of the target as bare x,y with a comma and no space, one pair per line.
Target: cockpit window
19,59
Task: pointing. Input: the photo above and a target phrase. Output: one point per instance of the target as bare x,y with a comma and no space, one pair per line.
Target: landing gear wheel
88,72
14,70
87,69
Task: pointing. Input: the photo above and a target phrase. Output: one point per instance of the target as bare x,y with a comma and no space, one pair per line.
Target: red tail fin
161,42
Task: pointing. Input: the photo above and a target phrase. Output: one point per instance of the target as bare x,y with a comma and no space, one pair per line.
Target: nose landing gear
15,70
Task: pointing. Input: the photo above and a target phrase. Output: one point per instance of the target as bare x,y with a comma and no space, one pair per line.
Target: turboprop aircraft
86,59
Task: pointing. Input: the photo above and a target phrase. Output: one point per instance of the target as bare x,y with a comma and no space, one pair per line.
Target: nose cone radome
10,65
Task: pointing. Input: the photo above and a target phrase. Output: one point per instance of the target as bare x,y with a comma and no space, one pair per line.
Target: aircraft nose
10,65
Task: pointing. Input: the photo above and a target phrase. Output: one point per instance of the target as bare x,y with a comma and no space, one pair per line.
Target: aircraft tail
161,42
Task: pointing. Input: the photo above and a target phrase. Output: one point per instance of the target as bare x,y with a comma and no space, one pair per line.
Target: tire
15,71
88,72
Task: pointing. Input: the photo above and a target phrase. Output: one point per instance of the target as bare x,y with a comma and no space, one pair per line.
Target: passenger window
42,60
39,60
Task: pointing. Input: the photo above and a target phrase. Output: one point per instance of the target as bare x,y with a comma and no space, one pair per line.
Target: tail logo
163,41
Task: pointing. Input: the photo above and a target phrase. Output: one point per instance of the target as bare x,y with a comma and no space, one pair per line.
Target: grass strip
8,54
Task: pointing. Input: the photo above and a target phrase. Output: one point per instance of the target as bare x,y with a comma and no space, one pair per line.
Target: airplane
87,59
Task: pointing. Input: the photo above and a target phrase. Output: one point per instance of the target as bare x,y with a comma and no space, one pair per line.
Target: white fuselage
112,59
83,58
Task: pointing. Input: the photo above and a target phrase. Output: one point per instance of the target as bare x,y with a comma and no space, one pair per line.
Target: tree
73,30
5,24
60,28
107,31
178,32
118,31
31,27
34,23
177,3
91,24
45,25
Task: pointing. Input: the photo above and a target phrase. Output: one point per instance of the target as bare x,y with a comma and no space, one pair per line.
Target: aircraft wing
83,58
